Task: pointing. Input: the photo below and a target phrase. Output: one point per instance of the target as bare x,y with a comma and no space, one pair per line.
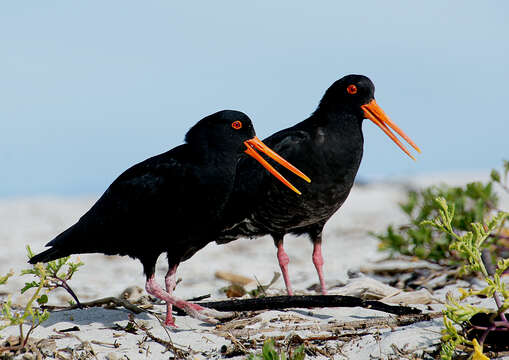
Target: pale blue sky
89,88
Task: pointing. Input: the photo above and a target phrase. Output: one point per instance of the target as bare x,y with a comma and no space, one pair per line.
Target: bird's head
223,131
230,131
356,95
351,91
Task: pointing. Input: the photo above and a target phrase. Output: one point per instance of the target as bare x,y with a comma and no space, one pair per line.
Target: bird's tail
59,247
48,255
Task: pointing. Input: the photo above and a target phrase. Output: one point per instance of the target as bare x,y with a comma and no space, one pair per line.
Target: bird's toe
207,315
218,314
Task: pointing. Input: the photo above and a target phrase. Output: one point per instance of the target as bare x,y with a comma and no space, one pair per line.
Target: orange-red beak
375,113
256,144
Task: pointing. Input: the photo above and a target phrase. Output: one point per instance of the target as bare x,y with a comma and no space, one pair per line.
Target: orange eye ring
351,89
237,125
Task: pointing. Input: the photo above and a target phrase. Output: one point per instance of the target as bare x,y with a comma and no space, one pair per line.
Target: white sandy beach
347,246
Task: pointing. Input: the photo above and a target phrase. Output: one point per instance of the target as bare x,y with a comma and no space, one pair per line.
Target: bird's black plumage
328,147
155,200
171,203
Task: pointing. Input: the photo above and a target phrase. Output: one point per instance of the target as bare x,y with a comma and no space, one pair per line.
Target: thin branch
64,285
178,352
490,268
106,301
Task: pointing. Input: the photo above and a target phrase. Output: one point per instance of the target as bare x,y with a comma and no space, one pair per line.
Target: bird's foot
170,322
207,315
210,316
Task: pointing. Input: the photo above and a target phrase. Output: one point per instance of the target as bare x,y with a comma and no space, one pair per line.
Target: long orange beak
256,144
375,113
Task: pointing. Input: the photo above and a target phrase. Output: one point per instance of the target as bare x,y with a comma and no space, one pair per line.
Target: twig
108,300
179,353
301,340
237,343
260,286
114,345
199,298
64,285
306,301
490,269
84,343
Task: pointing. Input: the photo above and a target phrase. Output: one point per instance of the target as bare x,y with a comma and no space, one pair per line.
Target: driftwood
272,303
306,301
338,329
233,278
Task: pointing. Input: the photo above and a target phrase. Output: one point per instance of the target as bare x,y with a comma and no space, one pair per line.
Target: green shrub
473,203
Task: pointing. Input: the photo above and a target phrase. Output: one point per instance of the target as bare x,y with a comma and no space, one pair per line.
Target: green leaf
29,252
43,299
502,266
506,166
3,279
495,176
29,286
411,203
453,225
268,350
43,317
299,353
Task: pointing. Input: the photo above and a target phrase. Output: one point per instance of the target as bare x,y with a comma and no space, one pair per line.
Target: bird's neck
213,155
336,119
337,143
215,172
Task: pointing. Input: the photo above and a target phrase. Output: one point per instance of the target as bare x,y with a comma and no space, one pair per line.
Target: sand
347,246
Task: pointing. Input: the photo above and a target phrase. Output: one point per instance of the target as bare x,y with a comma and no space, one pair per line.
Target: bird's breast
332,174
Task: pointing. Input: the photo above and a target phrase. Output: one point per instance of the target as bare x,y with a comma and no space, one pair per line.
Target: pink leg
194,310
318,261
283,259
171,282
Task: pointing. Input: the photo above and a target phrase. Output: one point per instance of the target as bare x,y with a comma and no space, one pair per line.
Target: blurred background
87,89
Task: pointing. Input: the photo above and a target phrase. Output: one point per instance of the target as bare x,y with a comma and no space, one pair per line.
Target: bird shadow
106,317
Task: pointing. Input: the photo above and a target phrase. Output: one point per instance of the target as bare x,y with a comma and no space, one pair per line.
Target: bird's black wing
289,143
130,208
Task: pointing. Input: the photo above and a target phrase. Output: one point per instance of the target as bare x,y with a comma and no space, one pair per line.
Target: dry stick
179,353
84,343
114,345
199,298
302,340
108,300
236,342
306,301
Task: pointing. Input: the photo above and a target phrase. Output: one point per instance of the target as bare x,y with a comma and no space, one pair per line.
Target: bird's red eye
237,125
351,89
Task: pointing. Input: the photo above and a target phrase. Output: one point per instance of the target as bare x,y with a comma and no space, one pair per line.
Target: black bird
328,147
172,203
